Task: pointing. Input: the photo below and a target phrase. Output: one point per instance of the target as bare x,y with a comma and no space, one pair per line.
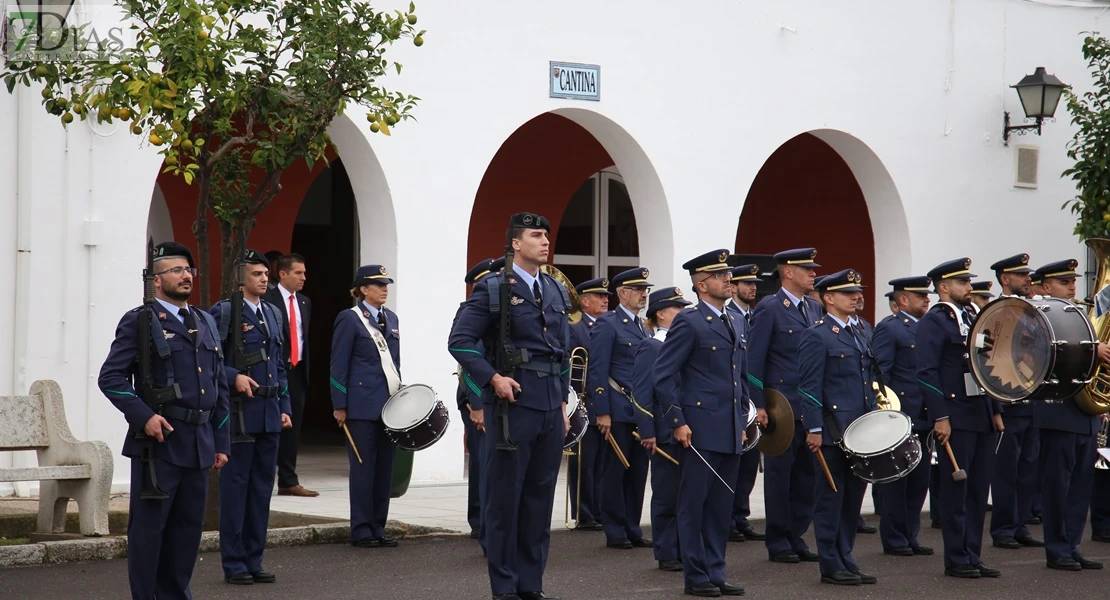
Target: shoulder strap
225,320
158,339
276,319
492,284
563,291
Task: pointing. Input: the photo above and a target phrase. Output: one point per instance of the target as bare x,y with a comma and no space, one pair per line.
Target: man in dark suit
593,295
296,311
744,280
788,482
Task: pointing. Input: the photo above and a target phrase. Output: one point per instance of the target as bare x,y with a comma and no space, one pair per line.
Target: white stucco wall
694,100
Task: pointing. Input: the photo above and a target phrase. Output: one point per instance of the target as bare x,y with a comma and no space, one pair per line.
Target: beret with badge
172,250
254,257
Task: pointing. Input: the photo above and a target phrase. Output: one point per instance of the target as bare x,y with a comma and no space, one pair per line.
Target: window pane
623,240
577,273
614,271
576,228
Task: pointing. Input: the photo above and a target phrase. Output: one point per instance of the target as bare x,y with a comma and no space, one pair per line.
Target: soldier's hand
478,417
1104,353
504,387
604,424
813,441
998,425
340,416
221,460
245,385
761,416
648,444
286,421
942,429
154,427
683,435
566,420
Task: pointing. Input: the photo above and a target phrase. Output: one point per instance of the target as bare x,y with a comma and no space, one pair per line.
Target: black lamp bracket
1019,129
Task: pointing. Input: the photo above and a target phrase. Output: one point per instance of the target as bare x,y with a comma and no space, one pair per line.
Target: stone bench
68,468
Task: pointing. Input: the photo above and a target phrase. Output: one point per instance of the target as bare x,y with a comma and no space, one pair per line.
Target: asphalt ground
580,567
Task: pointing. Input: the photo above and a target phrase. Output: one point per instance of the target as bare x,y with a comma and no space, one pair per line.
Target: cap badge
967,263
527,219
722,257
813,254
1072,264
755,270
1024,259
382,270
644,274
678,292
604,283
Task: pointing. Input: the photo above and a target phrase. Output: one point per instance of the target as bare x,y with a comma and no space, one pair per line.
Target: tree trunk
200,231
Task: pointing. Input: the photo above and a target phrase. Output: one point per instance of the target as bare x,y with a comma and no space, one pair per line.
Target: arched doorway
597,234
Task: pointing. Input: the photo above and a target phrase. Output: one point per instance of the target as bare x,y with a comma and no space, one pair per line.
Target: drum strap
392,377
956,313
627,394
830,425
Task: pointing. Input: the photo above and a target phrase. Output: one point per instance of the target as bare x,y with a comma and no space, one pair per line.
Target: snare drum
881,446
414,418
1039,349
576,412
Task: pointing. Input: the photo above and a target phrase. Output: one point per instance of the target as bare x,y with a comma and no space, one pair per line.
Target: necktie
728,324
190,322
802,309
640,324
748,319
855,337
294,342
536,292
262,322
381,318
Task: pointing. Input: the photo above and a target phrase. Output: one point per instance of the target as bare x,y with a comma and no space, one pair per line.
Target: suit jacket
541,330
197,370
895,348
613,345
835,376
941,365
700,380
777,328
273,296
358,383
261,414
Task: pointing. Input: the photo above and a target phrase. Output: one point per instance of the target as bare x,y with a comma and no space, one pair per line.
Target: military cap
817,281
710,262
1035,278
1061,269
172,250
983,288
956,268
664,297
527,220
801,257
254,257
593,286
848,280
483,268
746,273
1018,263
631,278
368,274
910,284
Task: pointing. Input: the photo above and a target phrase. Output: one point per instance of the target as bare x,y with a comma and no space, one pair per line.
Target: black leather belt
187,415
542,368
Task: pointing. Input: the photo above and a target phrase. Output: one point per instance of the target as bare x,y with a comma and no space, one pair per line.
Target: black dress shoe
536,596
728,589
706,590
903,551
922,550
670,565
385,542
590,526
734,535
263,577
985,571
990,507
1029,541
934,524
864,578
786,556
841,578
1087,564
475,534
1008,543
1066,563
506,597
807,555
239,579
1100,536
620,544
1034,520
867,529
751,534
367,543
641,542
963,572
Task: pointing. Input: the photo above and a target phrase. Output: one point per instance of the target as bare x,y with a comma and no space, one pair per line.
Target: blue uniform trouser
665,479
1015,478
589,453
1100,502
246,486
163,536
789,487
745,483
837,514
1067,460
622,496
371,481
704,512
963,504
474,472
520,493
901,502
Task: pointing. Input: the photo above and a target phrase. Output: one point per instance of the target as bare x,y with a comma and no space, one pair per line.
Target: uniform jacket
273,296
895,348
1064,416
941,364
358,383
776,331
613,345
261,414
738,318
469,392
197,370
649,412
834,376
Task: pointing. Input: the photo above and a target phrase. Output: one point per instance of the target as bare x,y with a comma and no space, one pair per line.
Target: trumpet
579,363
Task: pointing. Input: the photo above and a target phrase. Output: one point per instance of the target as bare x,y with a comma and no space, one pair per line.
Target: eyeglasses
720,275
179,271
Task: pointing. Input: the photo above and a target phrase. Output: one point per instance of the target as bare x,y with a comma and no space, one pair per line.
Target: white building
693,145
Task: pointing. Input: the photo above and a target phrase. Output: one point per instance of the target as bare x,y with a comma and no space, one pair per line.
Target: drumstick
658,450
617,449
958,474
825,468
352,440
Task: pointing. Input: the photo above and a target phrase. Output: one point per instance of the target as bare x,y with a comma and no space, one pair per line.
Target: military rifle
506,357
236,357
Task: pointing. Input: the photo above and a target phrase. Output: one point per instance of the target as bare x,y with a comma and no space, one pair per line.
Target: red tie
294,346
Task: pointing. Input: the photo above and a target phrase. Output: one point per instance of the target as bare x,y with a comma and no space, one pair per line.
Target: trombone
579,362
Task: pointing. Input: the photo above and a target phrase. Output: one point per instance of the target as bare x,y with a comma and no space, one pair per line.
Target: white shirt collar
908,315
627,312
837,319
253,307
713,308
528,278
284,293
172,308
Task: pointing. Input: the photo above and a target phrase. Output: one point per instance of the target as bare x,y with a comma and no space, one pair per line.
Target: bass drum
881,446
579,421
1039,349
414,418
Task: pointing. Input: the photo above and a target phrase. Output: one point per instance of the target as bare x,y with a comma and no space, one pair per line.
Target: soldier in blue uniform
894,345
593,295
788,481
970,425
190,432
613,343
469,399
863,327
700,386
981,294
1067,453
247,484
744,280
835,381
663,306
365,372
1016,464
520,483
